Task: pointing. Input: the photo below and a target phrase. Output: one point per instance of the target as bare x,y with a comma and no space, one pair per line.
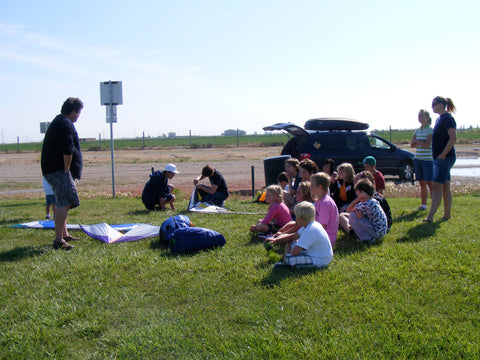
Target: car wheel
406,171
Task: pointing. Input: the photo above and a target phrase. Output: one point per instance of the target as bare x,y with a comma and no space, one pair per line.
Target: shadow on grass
20,204
138,212
419,232
21,253
158,245
409,216
14,221
348,244
277,276
254,239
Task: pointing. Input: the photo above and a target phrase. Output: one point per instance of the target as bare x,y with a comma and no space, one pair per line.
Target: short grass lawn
413,295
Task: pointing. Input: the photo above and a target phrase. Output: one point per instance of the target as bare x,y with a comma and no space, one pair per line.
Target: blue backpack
189,239
171,224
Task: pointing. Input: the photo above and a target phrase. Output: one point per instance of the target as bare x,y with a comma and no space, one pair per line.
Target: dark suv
342,144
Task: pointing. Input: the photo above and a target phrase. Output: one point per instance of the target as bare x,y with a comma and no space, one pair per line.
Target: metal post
100,140
253,182
18,144
111,137
111,153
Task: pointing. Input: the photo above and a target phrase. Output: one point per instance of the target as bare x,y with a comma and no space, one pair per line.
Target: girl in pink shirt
277,215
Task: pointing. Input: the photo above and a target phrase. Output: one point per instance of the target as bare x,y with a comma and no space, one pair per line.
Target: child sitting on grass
365,215
343,190
326,210
303,194
277,215
377,196
312,247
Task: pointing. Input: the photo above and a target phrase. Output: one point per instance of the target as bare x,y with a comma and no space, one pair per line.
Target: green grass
403,137
194,142
414,295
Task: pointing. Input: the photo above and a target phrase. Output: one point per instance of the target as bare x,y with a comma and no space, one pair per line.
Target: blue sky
208,66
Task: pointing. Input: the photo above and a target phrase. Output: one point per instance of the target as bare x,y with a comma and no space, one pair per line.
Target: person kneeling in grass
310,246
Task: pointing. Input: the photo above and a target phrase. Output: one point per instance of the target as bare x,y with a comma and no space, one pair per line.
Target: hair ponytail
450,106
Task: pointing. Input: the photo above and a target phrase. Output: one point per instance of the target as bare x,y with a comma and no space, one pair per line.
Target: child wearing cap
157,192
369,164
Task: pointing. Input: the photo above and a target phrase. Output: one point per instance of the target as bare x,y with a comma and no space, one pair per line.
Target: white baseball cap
172,168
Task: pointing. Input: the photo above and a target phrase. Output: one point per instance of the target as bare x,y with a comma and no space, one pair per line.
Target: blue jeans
216,199
423,169
441,169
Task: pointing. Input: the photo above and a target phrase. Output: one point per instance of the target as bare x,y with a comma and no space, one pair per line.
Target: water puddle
466,167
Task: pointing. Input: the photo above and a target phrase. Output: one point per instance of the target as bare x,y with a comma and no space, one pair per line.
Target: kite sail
196,205
103,232
109,235
50,224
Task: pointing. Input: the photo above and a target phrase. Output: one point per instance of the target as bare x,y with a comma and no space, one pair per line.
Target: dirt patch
20,174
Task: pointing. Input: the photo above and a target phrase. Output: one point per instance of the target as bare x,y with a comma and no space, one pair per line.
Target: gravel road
20,172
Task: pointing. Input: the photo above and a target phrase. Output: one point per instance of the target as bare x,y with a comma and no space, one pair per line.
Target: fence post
253,182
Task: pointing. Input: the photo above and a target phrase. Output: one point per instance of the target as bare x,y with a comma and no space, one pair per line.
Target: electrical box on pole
111,96
44,126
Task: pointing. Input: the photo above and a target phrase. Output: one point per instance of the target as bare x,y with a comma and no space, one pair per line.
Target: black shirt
155,188
61,139
219,180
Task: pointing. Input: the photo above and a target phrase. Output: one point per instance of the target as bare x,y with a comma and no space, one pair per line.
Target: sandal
427,220
445,218
62,245
70,238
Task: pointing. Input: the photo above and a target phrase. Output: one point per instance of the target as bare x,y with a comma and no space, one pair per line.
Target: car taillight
305,156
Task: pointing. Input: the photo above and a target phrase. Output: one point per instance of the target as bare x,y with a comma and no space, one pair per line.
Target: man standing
61,164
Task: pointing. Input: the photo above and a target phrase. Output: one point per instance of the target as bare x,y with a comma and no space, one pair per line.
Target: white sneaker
422,207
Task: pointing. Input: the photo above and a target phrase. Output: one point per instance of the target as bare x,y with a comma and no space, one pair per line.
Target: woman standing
423,162
443,152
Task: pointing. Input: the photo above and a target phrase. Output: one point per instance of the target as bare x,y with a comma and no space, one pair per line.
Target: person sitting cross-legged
310,246
364,215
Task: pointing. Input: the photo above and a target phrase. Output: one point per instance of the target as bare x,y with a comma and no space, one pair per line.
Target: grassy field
414,295
398,137
193,142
